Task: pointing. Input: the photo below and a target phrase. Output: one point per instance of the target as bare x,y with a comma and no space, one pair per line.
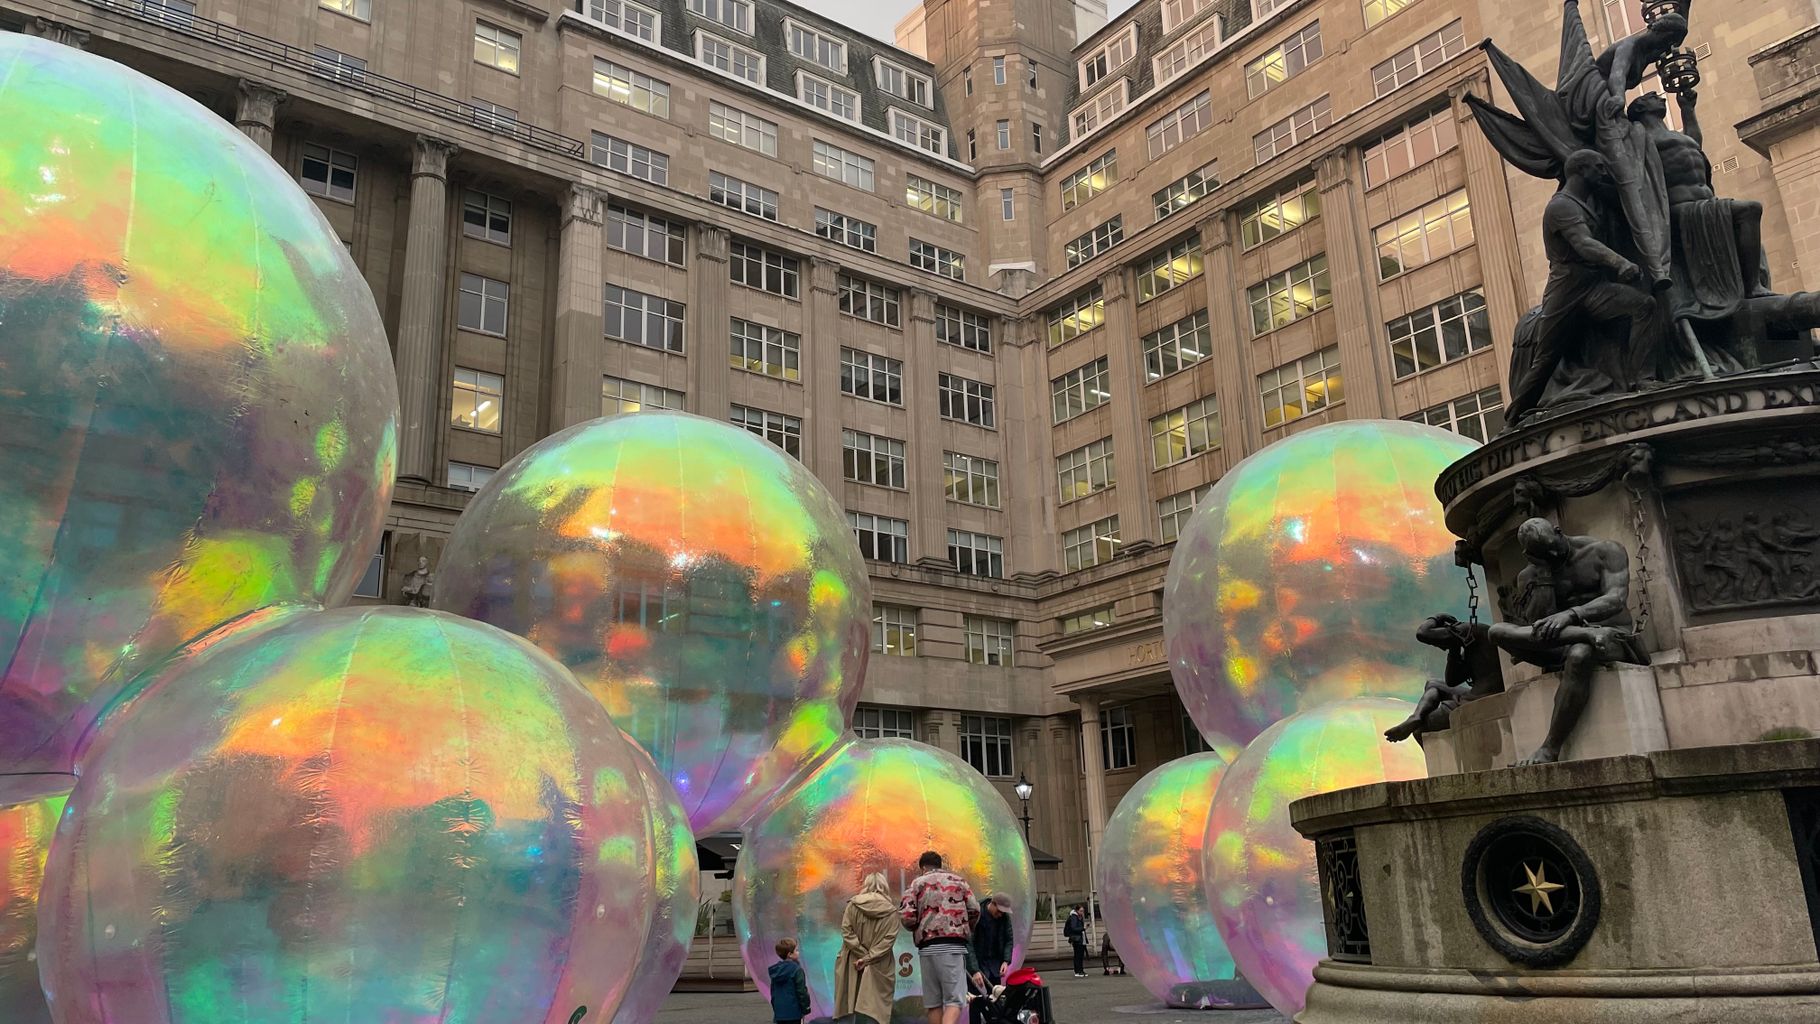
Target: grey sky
879,18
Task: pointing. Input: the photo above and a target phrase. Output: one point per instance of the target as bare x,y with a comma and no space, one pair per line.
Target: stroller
1022,999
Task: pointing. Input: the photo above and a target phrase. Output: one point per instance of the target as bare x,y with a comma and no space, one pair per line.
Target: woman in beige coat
865,979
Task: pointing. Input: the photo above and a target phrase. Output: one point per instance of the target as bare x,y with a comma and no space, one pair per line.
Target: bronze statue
1574,596
1473,671
419,584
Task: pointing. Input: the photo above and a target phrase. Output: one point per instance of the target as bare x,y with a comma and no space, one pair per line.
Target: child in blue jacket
789,985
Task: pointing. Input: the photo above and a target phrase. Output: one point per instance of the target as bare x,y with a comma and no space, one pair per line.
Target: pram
1022,999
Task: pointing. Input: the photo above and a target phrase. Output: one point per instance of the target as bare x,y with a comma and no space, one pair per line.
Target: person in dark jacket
992,938
1075,931
789,985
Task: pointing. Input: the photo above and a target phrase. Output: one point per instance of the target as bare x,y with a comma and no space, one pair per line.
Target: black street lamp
1024,789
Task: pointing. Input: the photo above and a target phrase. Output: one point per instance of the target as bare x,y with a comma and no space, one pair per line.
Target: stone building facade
1019,297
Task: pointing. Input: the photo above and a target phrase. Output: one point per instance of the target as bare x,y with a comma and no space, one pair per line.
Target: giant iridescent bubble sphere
1152,886
199,405
1304,573
703,584
874,805
358,815
1261,874
676,893
25,841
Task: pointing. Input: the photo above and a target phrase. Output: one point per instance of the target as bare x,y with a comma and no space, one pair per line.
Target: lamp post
1024,789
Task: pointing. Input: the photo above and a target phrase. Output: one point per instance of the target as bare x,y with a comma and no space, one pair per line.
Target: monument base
1233,994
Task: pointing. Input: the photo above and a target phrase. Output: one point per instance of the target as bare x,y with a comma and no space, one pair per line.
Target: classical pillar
1026,474
922,398
1130,430
708,327
420,327
1229,331
1494,225
57,32
257,114
1352,271
1093,771
821,370
577,366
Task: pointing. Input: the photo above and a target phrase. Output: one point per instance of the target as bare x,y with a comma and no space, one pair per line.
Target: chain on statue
1638,527
1472,596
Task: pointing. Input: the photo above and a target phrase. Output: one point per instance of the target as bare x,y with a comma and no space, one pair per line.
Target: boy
789,985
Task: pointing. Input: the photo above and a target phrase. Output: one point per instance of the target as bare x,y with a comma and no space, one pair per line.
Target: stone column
420,326
1229,330
577,363
1352,269
1130,430
57,32
257,114
1093,770
706,344
1494,225
821,371
1026,474
922,398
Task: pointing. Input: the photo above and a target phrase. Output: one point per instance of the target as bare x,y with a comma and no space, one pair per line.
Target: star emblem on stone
1539,890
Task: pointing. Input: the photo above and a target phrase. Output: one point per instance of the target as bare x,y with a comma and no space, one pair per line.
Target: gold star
1539,890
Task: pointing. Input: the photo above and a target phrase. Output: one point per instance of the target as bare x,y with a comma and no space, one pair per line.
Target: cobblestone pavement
1091,1000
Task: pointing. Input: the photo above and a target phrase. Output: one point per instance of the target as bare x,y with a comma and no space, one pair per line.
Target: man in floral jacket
941,910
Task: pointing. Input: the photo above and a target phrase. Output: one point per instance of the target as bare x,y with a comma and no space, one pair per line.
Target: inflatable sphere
1153,891
359,815
874,805
1261,875
701,583
676,890
25,841
1302,577
199,403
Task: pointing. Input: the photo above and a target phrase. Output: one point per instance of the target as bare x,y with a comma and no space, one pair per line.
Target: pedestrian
864,981
940,910
789,985
992,938
1075,931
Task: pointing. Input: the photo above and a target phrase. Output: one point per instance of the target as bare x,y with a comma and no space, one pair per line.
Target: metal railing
307,61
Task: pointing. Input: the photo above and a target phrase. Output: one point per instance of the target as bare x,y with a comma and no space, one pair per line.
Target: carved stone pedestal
1623,717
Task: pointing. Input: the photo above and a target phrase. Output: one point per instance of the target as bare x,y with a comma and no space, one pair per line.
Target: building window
1184,192
627,158
1004,134
969,401
1007,204
1410,147
742,129
1177,13
1419,238
1094,242
986,744
825,95
1102,108
973,145
971,480
1185,433
871,459
872,377
967,75
1086,470
1296,293
1090,180
1090,545
743,196
630,88
1176,347
496,47
1378,10
361,9
786,432
1181,124
1087,621
641,234
619,396
730,57
754,267
930,197
372,582
641,319
1080,390
885,723
477,400
1034,69
1448,330
1077,316
1169,269
770,351
465,476
848,231
1306,386
1192,740
329,173
630,18
735,14
1283,61
998,71
1174,512
1300,126
1479,416
850,168
903,83
1036,137
1188,51
486,217
893,633
881,539
919,133
1276,215
869,300
496,116
1111,56
963,328
931,258
644,603
1118,738
816,47
990,642
976,554
334,64
482,305
1418,60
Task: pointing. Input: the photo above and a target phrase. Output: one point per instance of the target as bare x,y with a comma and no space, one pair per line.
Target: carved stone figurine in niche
1573,603
1473,671
419,585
